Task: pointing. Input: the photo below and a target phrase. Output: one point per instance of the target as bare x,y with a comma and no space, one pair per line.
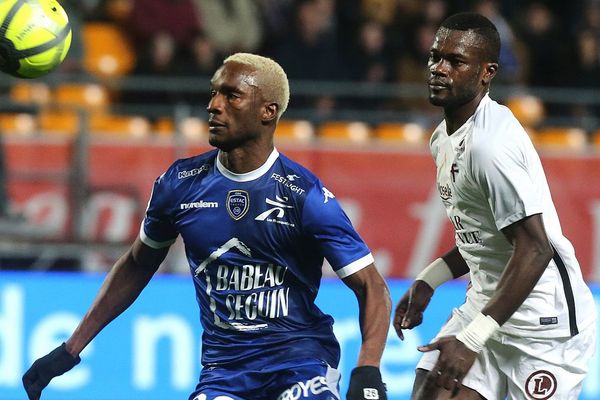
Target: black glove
53,364
366,384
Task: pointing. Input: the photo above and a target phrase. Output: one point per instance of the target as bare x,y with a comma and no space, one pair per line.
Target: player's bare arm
531,255
409,310
374,312
375,306
123,284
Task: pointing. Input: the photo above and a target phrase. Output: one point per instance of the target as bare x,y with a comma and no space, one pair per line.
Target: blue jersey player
256,227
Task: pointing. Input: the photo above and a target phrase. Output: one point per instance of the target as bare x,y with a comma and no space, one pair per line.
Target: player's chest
453,177
257,211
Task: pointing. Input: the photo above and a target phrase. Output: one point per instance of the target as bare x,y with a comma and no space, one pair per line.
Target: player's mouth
437,85
214,125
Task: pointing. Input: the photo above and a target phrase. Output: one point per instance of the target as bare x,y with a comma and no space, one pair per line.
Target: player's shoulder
496,130
436,135
295,171
195,166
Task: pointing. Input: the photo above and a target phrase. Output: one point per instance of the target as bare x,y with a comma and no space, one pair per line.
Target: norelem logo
541,385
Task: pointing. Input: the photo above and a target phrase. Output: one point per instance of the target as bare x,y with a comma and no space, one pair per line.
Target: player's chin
438,100
214,140
219,142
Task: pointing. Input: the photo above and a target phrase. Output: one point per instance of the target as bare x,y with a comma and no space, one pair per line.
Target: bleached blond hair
272,79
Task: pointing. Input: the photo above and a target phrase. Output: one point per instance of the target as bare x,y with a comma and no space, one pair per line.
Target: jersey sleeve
328,224
502,171
158,229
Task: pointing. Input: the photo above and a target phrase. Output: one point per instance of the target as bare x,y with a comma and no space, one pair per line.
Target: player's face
235,107
456,68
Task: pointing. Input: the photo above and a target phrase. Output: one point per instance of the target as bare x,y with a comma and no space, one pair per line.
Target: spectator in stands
203,57
231,25
546,46
275,19
161,29
370,61
511,50
311,52
587,75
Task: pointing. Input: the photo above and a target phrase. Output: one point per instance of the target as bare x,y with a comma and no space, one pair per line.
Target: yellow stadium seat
528,109
123,126
560,137
118,10
17,123
596,139
64,123
193,128
298,130
108,52
164,126
399,132
353,132
90,96
30,93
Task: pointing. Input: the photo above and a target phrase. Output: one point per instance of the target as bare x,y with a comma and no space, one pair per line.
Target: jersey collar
248,176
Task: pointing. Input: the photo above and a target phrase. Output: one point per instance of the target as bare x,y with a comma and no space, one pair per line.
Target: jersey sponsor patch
238,203
307,389
192,172
287,181
548,320
276,212
198,204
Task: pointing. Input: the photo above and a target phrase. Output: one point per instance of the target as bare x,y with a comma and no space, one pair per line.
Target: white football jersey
489,176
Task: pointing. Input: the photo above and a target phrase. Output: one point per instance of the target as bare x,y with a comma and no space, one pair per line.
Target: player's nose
215,104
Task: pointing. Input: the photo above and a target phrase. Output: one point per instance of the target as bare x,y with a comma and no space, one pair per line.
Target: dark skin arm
410,309
531,254
123,284
374,313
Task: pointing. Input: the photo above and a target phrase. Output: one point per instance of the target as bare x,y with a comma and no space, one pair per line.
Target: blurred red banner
389,194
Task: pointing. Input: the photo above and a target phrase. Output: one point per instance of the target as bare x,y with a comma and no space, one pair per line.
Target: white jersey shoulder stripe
355,266
151,242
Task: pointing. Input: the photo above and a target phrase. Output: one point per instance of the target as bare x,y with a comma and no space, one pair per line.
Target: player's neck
243,160
456,116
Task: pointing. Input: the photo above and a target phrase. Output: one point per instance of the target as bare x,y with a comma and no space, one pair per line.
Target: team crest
238,203
541,385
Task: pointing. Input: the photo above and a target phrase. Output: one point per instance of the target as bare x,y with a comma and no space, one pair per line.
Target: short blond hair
273,81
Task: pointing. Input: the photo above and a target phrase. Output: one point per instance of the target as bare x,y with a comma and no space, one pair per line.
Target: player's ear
489,72
270,112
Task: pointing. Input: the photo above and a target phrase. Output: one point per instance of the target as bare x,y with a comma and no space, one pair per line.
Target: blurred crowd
551,43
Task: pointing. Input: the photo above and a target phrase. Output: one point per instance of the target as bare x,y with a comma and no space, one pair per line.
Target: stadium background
81,148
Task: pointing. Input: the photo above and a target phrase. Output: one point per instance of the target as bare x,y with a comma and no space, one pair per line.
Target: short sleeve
158,229
330,227
502,170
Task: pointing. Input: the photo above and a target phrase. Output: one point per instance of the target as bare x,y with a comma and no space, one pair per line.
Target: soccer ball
35,37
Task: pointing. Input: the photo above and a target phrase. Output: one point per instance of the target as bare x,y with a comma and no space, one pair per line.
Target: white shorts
523,368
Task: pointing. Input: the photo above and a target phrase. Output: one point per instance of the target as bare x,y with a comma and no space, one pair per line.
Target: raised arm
123,284
374,315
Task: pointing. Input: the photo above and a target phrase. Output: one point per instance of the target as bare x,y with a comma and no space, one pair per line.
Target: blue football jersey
255,243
